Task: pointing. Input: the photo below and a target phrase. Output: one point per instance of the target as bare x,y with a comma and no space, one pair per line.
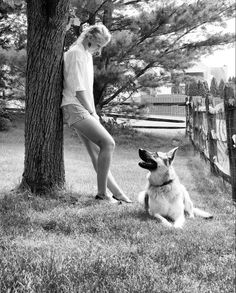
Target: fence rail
15,110
145,117
212,130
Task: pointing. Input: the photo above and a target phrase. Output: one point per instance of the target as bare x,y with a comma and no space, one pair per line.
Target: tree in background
214,89
196,88
221,88
193,89
202,89
148,35
232,79
12,53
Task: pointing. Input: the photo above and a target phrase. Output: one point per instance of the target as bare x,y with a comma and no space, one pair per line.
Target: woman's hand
95,116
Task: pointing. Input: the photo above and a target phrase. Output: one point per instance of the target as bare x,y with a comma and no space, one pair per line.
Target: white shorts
73,113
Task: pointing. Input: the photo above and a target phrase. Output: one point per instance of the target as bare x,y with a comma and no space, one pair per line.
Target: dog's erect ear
171,154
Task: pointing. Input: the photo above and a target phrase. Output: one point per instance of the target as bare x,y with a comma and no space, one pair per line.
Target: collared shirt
78,75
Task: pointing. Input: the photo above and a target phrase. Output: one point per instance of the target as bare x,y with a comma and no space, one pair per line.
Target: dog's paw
141,197
178,224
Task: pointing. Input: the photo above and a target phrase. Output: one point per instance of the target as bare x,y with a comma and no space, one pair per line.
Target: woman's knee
108,144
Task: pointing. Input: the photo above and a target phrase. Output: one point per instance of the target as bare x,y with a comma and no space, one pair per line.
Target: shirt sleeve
74,71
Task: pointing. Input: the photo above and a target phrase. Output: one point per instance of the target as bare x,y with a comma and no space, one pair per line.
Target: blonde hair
99,32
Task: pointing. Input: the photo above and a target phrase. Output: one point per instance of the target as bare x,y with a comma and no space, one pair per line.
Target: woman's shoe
122,197
107,198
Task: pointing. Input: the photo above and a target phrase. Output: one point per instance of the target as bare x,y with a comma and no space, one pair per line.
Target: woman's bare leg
93,151
95,132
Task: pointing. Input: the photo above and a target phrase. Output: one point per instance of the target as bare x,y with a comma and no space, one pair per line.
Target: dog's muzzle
148,162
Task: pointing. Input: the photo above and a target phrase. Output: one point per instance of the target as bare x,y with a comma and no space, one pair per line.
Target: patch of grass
72,243
14,214
206,184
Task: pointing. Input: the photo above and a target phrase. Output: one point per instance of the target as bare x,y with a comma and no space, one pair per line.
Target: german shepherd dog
165,197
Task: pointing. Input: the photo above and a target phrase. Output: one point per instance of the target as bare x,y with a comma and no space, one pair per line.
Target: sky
223,57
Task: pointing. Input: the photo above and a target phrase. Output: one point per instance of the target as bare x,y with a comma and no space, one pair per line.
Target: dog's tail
143,199
201,213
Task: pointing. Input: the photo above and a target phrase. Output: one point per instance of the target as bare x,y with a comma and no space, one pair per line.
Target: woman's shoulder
75,52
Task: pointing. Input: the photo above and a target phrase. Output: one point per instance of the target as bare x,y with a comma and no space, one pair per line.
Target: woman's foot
122,197
106,197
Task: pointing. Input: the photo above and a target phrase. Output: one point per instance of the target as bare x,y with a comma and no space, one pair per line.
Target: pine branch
188,46
92,15
141,72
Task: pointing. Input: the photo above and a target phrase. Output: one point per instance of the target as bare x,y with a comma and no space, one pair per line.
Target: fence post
189,122
211,134
194,113
187,116
230,116
200,125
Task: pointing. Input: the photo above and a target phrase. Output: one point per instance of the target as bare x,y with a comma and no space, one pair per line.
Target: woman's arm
81,96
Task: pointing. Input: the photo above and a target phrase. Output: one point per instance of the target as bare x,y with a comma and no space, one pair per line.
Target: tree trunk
44,164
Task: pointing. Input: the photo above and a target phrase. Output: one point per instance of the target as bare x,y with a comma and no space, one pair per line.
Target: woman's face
95,46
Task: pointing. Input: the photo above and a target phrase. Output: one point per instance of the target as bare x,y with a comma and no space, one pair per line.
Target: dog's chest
164,200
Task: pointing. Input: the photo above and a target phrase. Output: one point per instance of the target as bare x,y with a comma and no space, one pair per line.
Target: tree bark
44,164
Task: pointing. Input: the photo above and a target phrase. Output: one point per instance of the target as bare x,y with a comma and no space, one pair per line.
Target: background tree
12,53
221,88
232,79
214,89
187,89
193,89
206,86
176,80
44,167
149,35
202,90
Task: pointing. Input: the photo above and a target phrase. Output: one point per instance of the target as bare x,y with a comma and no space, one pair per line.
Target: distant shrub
5,124
115,128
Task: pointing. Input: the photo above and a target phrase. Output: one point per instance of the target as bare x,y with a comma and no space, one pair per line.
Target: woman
79,110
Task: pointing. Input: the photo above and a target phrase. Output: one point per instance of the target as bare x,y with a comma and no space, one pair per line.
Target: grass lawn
63,245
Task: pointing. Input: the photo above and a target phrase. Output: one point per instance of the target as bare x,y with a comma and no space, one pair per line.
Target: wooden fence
212,130
159,110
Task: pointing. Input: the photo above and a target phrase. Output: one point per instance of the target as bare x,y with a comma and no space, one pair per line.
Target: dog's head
159,164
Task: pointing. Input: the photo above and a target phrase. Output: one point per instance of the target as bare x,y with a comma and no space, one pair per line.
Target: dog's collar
163,184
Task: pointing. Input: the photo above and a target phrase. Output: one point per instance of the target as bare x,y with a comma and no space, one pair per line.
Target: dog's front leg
188,205
162,220
179,222
143,198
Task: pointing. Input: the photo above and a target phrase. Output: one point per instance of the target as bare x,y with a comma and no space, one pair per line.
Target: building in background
206,73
